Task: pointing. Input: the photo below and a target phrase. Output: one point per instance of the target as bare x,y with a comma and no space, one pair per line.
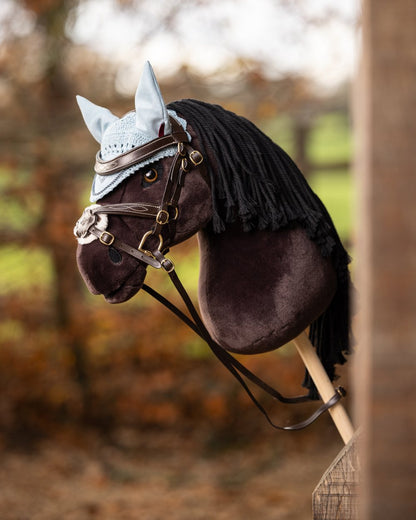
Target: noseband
165,215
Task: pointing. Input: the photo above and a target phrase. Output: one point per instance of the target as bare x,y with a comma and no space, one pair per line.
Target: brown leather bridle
166,212
165,215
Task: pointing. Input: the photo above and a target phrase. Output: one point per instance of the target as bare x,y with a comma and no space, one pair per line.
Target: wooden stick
324,385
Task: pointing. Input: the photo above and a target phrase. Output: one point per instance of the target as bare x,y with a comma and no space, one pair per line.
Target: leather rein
151,251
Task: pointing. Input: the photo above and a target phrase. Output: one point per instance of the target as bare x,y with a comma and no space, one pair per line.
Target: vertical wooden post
386,256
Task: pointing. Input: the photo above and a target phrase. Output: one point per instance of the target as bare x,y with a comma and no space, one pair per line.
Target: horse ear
151,113
96,118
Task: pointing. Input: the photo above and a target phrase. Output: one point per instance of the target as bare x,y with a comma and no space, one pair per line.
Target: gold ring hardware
341,391
162,217
184,165
106,238
143,241
175,216
196,157
181,150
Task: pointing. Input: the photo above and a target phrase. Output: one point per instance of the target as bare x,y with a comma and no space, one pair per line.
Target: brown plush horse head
271,262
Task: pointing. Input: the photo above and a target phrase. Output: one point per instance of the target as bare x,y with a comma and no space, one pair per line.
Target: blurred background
121,412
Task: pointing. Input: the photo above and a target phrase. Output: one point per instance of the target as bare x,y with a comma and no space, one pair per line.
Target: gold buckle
181,150
341,391
168,269
162,217
102,238
143,241
199,159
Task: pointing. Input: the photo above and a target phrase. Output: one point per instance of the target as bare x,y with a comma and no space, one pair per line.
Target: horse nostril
115,256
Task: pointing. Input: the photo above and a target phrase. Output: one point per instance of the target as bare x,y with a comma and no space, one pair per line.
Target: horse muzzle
92,225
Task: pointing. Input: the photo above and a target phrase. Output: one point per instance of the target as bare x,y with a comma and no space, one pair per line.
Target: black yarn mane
253,181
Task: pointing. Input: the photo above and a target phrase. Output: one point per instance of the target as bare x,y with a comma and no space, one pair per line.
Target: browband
140,153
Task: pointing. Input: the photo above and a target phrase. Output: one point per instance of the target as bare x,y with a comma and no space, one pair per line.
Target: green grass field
335,189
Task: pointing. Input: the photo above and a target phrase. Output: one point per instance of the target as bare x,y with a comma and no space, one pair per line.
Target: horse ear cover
97,118
151,112
117,135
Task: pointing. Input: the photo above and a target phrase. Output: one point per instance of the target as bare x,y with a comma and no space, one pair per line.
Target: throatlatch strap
233,365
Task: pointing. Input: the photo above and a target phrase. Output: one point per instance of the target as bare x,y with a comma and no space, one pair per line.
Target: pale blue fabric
97,118
119,137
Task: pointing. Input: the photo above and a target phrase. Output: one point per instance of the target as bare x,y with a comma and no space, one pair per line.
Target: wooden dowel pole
324,385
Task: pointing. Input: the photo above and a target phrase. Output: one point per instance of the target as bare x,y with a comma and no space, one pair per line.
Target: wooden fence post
385,371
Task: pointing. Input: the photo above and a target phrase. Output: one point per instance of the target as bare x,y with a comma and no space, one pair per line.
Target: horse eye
150,176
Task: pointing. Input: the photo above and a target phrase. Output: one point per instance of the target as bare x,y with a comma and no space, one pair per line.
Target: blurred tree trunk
53,176
61,201
301,133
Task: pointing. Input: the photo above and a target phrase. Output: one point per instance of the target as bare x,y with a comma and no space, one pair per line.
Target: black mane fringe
255,182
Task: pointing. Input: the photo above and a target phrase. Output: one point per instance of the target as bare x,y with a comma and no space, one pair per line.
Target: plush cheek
195,206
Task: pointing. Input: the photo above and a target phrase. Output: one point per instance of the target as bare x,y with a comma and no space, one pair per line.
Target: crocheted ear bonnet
118,135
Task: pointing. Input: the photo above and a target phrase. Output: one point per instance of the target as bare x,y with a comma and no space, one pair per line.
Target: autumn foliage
67,357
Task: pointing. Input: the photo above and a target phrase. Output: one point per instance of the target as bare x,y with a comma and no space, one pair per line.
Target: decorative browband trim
140,153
